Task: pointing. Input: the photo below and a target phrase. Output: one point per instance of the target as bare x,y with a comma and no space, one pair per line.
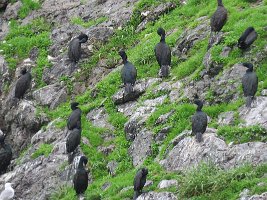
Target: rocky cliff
149,128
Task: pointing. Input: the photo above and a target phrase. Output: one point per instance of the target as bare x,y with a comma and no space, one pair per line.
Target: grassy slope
139,48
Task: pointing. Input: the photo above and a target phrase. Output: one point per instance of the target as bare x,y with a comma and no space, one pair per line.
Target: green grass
93,22
21,39
206,182
44,149
243,134
27,7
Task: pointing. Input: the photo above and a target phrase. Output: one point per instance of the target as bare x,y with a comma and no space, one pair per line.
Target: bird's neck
249,70
220,3
199,108
124,61
162,39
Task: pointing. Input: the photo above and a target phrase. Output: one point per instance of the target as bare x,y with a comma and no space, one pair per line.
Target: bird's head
249,66
74,105
84,160
23,71
144,171
123,55
83,38
8,185
161,31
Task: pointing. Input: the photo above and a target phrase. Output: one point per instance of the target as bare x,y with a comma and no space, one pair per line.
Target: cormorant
74,51
80,180
23,83
128,73
5,154
247,38
139,182
249,83
8,192
73,141
199,121
74,120
163,54
217,21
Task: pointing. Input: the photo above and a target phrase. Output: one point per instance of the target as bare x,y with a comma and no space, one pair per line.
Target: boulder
12,10
157,196
215,150
141,147
99,118
167,183
226,118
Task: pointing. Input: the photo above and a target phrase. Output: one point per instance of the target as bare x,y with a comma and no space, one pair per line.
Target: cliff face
149,128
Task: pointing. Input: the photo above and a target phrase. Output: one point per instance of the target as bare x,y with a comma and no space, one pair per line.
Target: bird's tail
128,88
164,71
199,137
249,101
136,195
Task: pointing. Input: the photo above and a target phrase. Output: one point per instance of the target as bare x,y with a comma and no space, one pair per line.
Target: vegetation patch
44,149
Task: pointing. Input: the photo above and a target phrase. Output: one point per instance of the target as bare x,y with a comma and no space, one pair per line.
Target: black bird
199,121
5,154
73,141
74,51
163,54
80,179
74,120
139,182
128,73
23,83
249,83
217,21
247,38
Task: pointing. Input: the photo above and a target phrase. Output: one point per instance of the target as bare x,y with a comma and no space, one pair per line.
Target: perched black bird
5,154
23,83
73,140
163,54
217,21
199,121
247,38
74,120
139,182
128,73
80,179
74,51
249,83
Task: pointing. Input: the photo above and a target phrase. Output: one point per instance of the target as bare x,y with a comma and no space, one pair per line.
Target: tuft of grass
89,23
44,149
27,7
64,193
243,134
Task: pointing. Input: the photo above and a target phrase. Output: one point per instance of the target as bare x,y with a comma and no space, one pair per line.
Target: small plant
44,149
27,6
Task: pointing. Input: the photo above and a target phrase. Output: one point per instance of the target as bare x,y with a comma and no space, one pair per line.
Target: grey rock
244,195
12,10
263,196
163,87
176,91
107,136
112,167
163,118
105,186
3,4
167,183
162,134
148,183
225,52
51,95
264,92
155,13
226,87
99,118
48,135
141,114
226,118
157,196
215,150
139,89
261,184
4,74
190,37
79,88
141,147
257,115
106,150
128,108
211,68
